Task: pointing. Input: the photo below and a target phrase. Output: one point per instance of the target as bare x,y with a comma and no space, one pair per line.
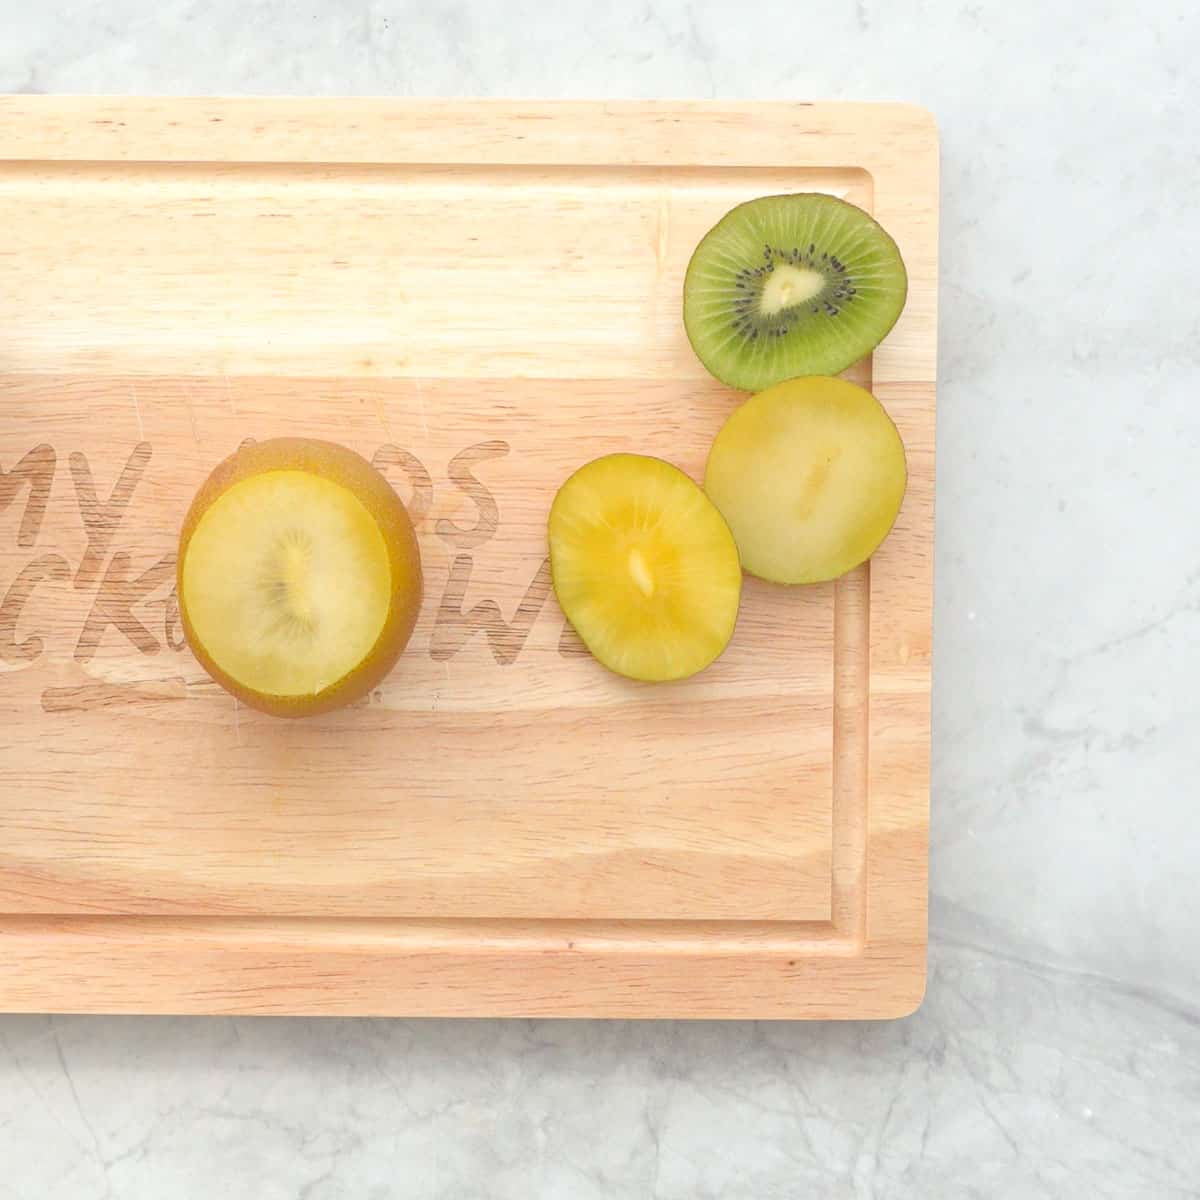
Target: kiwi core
640,572
288,575
788,286
288,582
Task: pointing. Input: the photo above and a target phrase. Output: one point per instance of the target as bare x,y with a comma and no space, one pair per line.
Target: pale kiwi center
788,286
291,582
640,572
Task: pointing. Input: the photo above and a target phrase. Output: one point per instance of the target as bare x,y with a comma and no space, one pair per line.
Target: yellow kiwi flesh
299,577
810,475
644,567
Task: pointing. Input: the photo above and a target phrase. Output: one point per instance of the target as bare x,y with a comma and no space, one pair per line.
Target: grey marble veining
1058,1052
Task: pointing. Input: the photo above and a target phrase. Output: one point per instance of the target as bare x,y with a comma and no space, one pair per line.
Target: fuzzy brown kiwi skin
350,470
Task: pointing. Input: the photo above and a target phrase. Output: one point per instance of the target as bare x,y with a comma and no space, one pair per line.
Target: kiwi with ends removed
644,567
802,284
298,577
810,475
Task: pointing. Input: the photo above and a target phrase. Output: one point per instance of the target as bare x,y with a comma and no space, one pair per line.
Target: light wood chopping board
479,297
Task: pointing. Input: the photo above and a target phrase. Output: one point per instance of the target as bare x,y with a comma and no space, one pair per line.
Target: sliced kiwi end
782,286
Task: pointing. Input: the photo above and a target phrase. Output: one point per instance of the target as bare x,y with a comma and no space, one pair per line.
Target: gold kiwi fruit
299,576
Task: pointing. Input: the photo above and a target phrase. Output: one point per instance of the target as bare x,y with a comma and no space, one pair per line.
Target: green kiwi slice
805,284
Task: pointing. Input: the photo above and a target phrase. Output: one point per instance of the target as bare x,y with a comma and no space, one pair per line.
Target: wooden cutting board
479,297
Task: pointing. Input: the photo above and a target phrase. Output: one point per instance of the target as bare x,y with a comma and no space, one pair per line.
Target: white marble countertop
1058,1051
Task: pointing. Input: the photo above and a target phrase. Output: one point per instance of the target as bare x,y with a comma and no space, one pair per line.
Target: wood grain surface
479,297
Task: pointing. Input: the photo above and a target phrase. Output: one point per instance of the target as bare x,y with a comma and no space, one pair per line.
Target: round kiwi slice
810,475
805,284
644,567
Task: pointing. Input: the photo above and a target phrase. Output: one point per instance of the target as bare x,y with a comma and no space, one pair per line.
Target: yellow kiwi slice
644,567
299,577
810,475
